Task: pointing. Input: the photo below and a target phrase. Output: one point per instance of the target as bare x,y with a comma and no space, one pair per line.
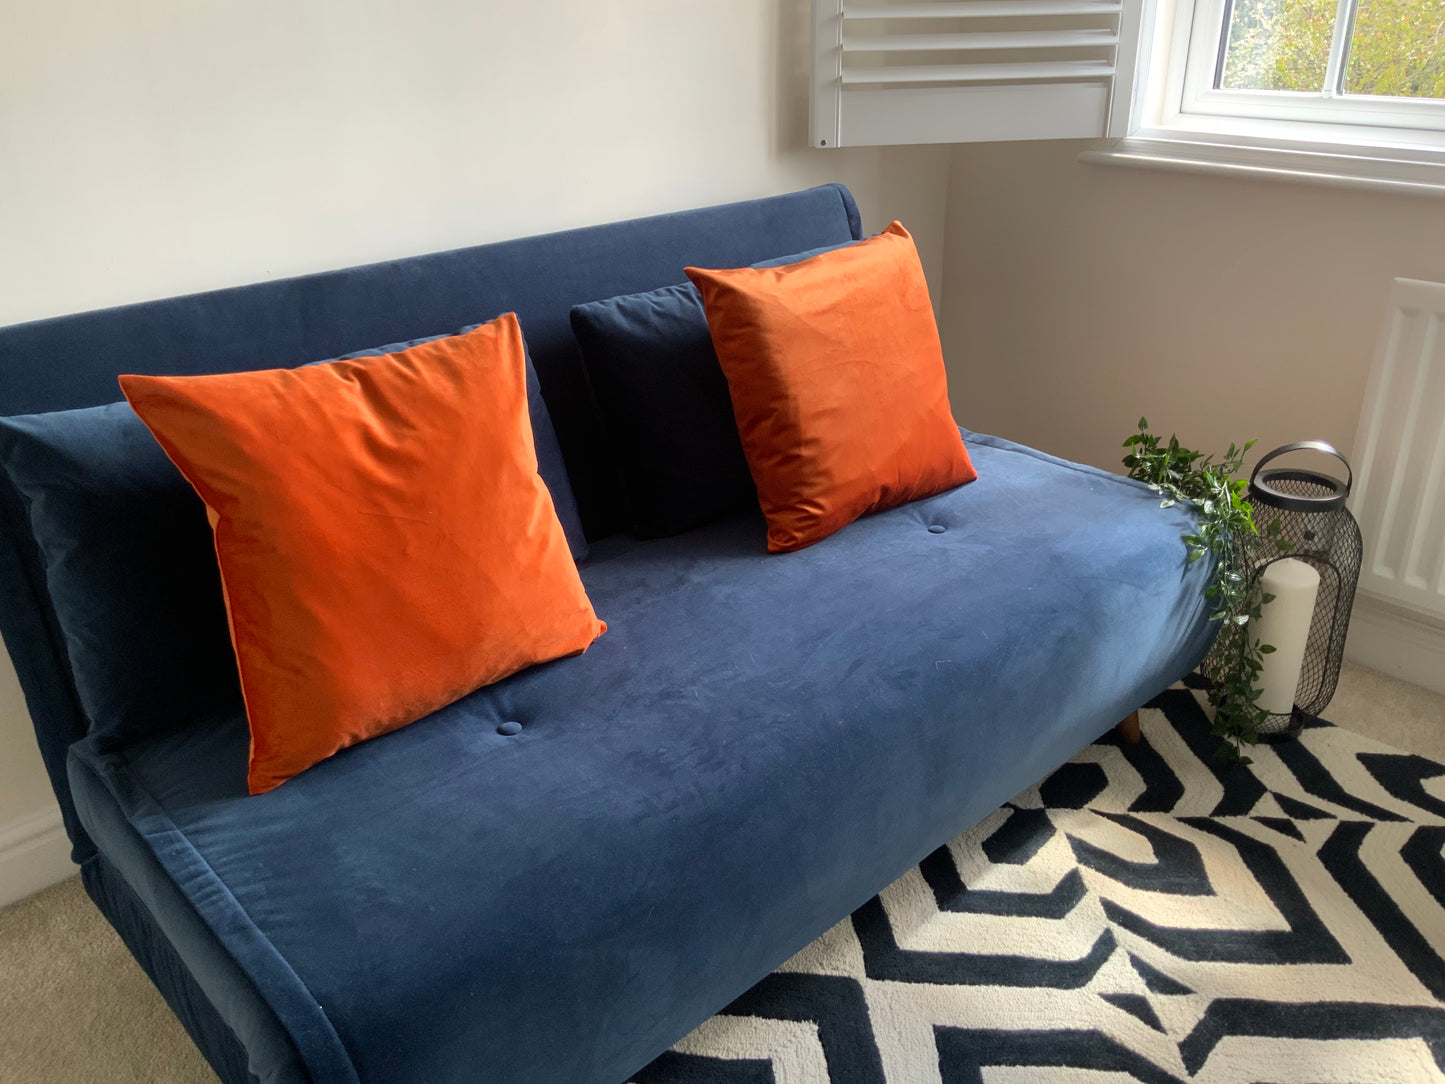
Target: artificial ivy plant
1226,532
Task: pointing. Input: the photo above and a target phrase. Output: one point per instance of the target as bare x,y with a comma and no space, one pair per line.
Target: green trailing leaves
1224,531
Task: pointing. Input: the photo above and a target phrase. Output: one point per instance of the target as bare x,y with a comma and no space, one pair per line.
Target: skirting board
1398,642
34,854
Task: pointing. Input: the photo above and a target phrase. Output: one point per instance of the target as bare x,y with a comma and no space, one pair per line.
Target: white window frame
1330,105
1179,121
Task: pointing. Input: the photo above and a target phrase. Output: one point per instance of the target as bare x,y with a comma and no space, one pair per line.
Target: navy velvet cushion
131,566
665,404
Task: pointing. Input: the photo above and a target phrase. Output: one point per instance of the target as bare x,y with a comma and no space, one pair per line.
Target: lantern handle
1307,446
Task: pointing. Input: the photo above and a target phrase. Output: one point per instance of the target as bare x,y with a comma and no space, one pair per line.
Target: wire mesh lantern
1311,566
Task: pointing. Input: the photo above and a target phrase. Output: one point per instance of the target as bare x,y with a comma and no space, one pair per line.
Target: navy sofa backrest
73,361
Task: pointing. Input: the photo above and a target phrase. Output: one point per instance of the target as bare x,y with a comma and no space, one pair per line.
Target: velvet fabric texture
385,542
665,405
131,568
749,754
70,362
550,464
836,378
193,971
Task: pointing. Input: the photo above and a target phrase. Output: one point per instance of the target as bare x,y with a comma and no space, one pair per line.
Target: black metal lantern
1316,528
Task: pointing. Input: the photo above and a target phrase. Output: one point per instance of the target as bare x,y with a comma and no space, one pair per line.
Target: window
1362,62
1337,92
1323,91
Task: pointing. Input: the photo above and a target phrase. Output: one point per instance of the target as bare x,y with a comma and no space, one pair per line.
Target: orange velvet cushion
837,383
385,543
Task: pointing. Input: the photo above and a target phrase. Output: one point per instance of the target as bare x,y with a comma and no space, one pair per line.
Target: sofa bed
557,876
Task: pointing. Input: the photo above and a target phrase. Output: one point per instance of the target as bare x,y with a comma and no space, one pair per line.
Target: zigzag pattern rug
1144,914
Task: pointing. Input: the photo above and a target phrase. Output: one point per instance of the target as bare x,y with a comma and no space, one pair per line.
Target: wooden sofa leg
1129,729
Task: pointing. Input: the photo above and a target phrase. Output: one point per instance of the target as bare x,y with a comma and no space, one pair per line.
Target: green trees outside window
1395,48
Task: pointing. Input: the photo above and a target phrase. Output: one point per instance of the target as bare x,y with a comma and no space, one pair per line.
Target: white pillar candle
1284,623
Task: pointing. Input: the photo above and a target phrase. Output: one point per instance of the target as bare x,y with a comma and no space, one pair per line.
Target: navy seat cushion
757,746
131,565
665,404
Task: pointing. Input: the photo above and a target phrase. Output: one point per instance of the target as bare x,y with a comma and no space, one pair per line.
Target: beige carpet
75,1009
1405,716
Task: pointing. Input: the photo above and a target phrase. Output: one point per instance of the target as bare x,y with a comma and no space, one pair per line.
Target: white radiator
1399,493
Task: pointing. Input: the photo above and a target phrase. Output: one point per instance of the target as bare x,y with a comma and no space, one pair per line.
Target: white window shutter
939,71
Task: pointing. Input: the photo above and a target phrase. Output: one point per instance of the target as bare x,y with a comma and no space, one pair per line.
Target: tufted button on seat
936,528
510,727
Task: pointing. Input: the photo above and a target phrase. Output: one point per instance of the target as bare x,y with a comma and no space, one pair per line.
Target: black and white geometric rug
1144,914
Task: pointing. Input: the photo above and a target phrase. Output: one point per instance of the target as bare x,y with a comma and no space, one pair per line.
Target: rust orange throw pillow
837,383
386,545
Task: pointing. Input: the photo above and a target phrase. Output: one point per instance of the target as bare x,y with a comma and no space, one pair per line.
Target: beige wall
160,147
1079,297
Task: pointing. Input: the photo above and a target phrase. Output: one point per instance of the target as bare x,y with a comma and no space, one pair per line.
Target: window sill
1386,167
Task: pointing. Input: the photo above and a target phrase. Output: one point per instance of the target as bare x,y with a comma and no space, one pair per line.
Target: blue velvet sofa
757,746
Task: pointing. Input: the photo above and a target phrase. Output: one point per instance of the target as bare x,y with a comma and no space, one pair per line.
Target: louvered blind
971,71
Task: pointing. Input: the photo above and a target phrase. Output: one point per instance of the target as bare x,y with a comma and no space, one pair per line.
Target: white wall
156,147
1079,297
